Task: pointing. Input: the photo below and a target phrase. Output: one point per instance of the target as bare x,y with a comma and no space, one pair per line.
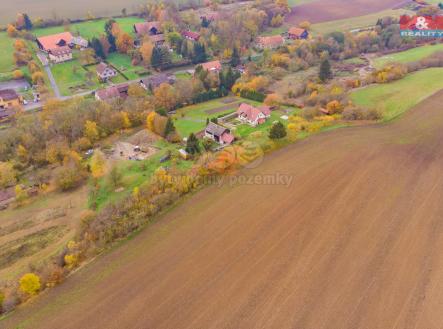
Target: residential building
297,33
190,35
79,42
105,72
54,41
214,66
218,134
60,54
271,42
157,39
152,82
252,115
112,93
147,28
9,99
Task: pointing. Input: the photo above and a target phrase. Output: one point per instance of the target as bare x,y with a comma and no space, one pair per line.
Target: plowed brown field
356,241
331,10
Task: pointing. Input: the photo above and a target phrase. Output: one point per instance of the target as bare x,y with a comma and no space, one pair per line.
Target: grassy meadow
394,98
89,29
356,22
411,55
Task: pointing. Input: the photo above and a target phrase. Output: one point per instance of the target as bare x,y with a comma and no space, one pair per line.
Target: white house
253,115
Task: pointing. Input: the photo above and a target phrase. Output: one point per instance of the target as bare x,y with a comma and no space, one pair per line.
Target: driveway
52,82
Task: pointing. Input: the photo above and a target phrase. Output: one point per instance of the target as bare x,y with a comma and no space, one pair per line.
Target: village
105,122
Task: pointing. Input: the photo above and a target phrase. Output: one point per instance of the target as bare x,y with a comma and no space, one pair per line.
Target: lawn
90,29
138,173
6,51
123,63
356,22
192,119
397,97
411,55
71,77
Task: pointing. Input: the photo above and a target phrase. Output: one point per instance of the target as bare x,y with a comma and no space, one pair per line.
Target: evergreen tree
98,48
200,55
205,22
278,131
169,128
192,145
156,58
235,58
28,22
325,71
110,36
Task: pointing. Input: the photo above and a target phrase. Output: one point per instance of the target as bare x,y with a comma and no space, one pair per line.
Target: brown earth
355,241
331,10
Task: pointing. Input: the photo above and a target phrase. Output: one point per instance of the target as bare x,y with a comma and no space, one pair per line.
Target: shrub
278,131
30,284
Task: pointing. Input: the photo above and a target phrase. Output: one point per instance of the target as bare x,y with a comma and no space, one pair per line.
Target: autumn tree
30,284
124,42
7,174
98,164
165,97
146,51
91,131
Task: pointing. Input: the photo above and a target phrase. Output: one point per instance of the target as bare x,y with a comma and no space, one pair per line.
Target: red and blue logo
421,26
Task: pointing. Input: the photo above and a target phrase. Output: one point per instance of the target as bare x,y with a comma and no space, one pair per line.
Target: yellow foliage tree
91,130
7,174
98,164
150,121
30,283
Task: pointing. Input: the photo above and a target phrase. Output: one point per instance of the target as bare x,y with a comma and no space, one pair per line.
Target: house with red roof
147,28
213,66
270,42
57,46
253,115
295,33
190,35
112,93
218,134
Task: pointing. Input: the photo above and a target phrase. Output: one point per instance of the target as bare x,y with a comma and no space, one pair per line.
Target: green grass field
123,63
90,29
6,51
355,22
137,173
192,119
399,96
408,56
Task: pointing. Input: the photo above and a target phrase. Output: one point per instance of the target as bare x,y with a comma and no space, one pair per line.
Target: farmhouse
60,54
157,39
271,42
214,66
193,36
297,33
253,115
112,93
153,82
54,41
105,72
9,99
218,134
147,28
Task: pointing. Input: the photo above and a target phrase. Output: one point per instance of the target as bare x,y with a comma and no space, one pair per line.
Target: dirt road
355,241
329,10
